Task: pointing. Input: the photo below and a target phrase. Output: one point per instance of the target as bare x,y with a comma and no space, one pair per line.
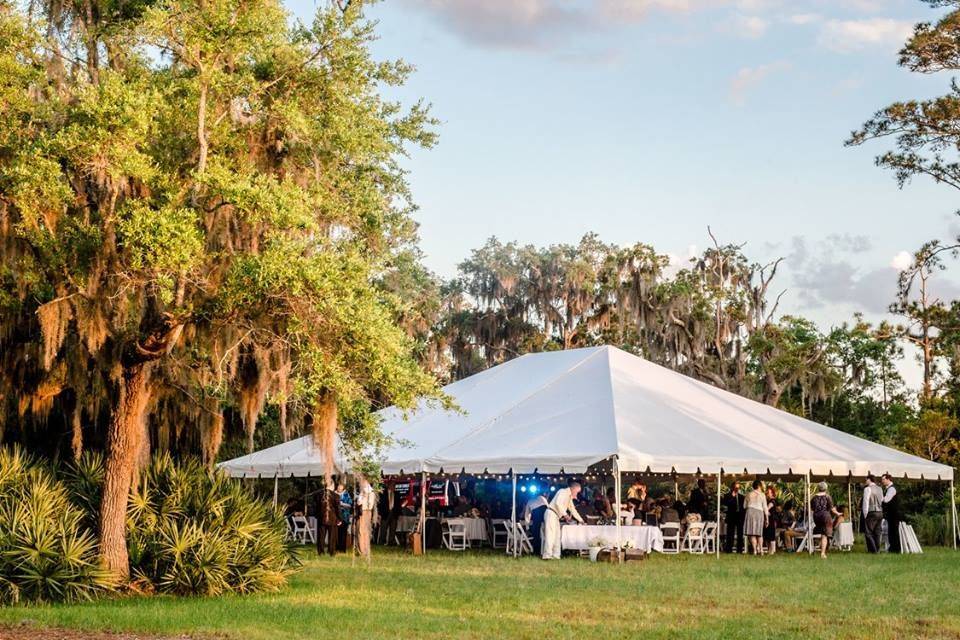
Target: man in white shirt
562,506
872,514
533,514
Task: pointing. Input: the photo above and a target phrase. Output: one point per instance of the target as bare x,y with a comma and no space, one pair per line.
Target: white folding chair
671,533
693,539
709,537
518,536
454,534
501,533
301,530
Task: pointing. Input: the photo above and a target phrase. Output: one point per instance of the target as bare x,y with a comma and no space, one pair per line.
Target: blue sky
648,120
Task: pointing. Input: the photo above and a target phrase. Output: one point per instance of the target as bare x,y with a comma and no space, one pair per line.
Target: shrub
47,553
196,532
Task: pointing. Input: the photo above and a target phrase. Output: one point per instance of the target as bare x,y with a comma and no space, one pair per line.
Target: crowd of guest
758,520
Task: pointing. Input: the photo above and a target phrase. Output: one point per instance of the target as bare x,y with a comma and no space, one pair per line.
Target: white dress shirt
872,497
533,503
562,504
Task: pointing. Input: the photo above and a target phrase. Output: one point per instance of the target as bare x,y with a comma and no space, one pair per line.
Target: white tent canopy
568,410
296,458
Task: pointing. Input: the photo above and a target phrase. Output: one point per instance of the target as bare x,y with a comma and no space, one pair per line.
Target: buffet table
579,537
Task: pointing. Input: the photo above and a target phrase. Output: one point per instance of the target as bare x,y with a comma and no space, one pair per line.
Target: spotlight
524,489
533,488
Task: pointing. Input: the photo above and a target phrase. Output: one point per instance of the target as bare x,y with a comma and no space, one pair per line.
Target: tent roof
299,457
568,410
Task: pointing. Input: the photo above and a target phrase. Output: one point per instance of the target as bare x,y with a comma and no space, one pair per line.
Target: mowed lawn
487,595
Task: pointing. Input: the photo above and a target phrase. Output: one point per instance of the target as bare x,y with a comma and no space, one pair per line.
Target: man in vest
872,514
533,514
891,512
562,506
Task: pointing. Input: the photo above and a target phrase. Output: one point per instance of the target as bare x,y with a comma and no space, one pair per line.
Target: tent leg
513,514
616,463
953,513
716,542
850,510
423,511
275,488
676,489
806,510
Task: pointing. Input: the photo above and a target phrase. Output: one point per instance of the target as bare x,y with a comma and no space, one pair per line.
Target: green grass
482,595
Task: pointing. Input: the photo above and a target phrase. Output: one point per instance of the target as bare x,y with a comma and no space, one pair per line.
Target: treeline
714,318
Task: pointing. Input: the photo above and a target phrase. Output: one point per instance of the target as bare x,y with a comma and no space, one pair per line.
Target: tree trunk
123,445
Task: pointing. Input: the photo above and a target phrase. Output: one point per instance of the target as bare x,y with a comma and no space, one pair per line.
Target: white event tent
568,410
602,408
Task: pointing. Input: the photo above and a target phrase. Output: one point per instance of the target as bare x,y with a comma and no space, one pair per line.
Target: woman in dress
755,517
773,520
823,511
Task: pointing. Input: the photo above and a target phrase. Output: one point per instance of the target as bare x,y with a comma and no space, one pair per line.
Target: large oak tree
196,201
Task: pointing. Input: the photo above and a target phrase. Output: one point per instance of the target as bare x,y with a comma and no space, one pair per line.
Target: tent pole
423,511
676,489
953,513
716,543
616,464
850,508
513,513
806,510
275,481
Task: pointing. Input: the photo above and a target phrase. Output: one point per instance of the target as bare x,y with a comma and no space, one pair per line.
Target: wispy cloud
748,78
844,36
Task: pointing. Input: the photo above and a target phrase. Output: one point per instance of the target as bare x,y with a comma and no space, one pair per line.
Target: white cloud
750,26
801,19
749,77
902,261
852,35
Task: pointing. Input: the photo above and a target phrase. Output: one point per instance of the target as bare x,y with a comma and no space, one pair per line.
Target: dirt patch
33,632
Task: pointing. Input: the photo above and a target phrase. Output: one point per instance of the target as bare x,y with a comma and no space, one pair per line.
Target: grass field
482,595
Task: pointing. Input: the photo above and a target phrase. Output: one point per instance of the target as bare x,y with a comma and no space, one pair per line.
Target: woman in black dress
773,520
821,506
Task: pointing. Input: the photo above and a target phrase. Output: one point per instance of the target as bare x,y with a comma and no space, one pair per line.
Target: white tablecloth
843,535
579,537
476,528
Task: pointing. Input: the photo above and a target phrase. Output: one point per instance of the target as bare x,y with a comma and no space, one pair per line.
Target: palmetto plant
47,553
193,532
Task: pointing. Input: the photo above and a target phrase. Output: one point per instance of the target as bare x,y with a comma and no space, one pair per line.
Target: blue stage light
533,488
522,488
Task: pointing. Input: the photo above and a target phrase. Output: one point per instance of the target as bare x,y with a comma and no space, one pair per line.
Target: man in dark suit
891,512
328,515
734,504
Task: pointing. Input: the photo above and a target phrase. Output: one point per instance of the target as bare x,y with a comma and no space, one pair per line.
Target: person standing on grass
328,511
562,506
366,503
755,517
773,520
821,506
734,504
872,514
533,513
891,512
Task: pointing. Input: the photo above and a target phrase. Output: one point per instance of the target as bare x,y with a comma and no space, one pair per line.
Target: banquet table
476,528
410,523
578,537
